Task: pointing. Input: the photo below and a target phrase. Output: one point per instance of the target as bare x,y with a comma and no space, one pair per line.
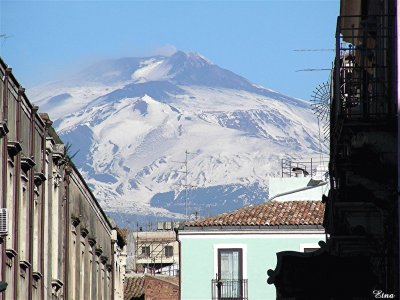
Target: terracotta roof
123,232
133,287
272,213
169,279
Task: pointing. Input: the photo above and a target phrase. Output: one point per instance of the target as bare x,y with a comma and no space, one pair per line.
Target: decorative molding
11,161
21,91
39,178
11,253
84,232
68,170
8,71
24,264
92,241
58,154
109,267
3,129
14,148
261,234
98,251
56,179
50,144
75,221
37,275
27,163
35,108
24,178
57,284
103,259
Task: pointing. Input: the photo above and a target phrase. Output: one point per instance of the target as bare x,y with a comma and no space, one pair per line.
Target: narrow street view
199,150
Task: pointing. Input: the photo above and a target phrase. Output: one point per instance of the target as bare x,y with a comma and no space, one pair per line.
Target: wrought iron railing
235,289
363,67
313,168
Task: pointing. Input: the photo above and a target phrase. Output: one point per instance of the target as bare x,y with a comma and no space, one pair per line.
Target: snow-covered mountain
132,120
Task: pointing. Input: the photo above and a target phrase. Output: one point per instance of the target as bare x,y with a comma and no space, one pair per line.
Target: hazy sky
255,39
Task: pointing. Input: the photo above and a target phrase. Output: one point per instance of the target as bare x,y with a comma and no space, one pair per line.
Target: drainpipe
298,190
113,269
42,212
67,171
17,186
180,262
396,93
5,167
396,55
31,200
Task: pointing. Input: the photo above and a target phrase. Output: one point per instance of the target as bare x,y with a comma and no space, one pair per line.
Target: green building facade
228,256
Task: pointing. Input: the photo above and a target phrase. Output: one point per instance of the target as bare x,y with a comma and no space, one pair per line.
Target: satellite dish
321,107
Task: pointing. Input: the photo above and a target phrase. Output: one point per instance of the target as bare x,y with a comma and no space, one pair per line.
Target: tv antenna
312,70
313,50
321,106
186,185
4,37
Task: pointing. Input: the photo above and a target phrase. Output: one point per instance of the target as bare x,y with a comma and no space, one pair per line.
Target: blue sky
51,39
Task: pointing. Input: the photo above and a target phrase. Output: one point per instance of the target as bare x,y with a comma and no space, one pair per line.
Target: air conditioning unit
3,221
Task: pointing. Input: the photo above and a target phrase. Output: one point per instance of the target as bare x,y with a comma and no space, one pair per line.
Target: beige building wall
59,244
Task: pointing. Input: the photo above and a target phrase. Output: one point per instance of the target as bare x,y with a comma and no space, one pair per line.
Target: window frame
231,250
240,279
170,252
144,252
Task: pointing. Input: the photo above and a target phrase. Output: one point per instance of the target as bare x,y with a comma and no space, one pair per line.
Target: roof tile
133,287
272,213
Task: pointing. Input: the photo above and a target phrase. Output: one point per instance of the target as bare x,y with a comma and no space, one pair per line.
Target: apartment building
56,241
360,259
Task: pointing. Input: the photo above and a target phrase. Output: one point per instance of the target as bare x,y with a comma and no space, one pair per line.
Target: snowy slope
133,119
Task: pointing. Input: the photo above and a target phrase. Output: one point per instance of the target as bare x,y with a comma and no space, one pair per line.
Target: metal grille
223,289
313,168
3,221
362,67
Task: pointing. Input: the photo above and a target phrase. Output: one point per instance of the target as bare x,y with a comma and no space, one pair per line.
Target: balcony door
230,266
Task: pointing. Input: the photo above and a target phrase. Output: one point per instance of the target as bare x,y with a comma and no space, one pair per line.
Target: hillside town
327,228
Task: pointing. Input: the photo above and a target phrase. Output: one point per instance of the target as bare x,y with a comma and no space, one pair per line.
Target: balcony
364,56
223,289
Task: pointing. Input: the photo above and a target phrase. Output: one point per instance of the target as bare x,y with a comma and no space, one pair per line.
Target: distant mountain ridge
133,119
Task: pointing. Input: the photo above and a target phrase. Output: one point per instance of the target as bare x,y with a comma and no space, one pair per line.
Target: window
230,274
146,251
169,251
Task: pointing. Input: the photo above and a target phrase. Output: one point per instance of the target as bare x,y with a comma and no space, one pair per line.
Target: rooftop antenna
186,185
313,50
321,107
312,70
4,37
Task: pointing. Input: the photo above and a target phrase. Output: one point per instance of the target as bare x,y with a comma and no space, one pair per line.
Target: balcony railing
363,67
313,168
235,289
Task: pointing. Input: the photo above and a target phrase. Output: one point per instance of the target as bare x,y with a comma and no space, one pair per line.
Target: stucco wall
198,261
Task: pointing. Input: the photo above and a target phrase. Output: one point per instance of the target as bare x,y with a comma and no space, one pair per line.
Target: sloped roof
272,213
133,287
169,279
122,234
